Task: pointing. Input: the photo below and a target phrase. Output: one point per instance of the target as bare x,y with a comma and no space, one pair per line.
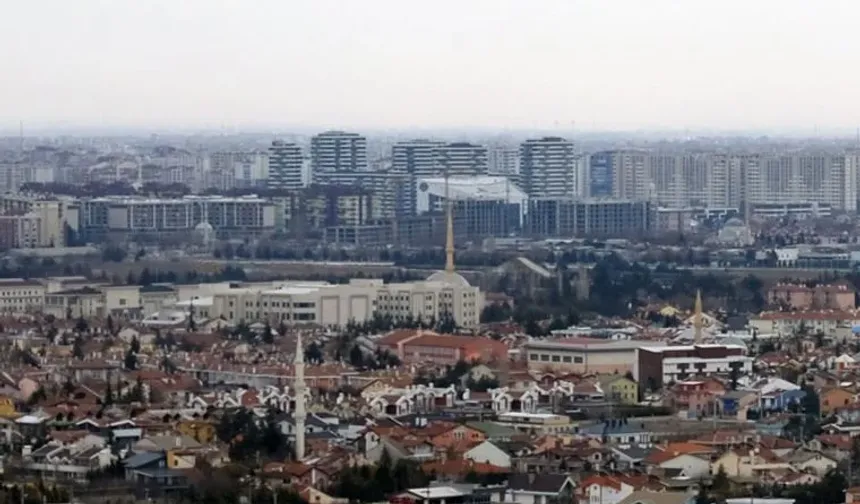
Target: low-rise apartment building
786,323
21,296
420,346
659,366
803,297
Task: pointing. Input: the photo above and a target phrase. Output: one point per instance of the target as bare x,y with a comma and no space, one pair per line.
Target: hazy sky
606,64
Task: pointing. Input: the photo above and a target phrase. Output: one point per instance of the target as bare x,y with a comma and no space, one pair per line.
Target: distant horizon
109,130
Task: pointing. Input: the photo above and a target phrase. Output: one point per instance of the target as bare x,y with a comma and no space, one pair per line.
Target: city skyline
551,65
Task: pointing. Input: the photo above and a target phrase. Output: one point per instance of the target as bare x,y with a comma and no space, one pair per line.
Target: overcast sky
606,64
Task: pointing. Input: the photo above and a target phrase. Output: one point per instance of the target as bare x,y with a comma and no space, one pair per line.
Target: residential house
749,462
777,394
690,459
697,397
834,398
618,432
493,431
649,497
408,447
162,443
7,407
144,461
57,462
488,453
601,489
629,457
738,403
811,462
448,434
539,489
201,431
620,388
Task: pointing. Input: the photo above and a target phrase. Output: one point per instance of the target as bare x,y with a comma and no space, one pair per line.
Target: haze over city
766,65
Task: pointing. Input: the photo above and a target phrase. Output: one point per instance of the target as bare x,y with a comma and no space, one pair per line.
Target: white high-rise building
549,167
504,160
285,166
337,152
415,159
462,158
807,177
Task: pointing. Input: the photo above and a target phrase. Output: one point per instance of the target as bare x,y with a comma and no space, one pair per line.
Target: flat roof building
658,366
584,355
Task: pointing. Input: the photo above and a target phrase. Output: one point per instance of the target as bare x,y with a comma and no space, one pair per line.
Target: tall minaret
449,239
299,413
697,318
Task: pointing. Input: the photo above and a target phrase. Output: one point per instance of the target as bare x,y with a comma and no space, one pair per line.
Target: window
556,358
578,360
566,358
544,357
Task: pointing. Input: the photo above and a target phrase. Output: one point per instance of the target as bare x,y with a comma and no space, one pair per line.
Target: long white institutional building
290,302
333,304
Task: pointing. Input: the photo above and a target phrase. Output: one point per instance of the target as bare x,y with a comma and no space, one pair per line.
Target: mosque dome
204,233
450,278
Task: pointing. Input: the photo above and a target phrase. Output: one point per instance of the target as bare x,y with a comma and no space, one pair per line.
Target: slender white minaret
299,413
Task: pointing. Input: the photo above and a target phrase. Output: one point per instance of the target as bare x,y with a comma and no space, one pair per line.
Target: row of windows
283,316
19,293
556,358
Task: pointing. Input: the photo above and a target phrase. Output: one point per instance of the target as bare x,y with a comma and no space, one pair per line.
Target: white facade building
336,152
462,158
285,166
335,305
550,167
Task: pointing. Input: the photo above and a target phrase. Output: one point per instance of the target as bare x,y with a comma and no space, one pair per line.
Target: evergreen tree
108,394
130,361
356,357
81,325
192,324
313,353
721,483
77,349
268,338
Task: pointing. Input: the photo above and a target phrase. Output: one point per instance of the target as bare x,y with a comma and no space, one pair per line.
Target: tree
130,361
446,323
734,374
108,395
135,345
81,325
37,396
721,483
136,394
109,324
356,357
268,338
810,403
192,324
77,349
702,497
313,353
